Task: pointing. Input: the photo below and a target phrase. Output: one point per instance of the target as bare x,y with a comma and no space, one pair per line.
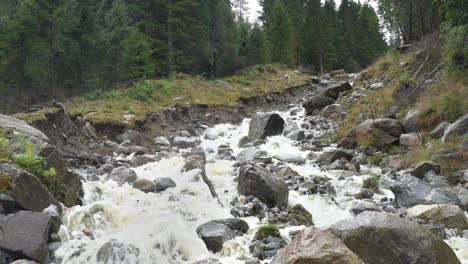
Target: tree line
51,46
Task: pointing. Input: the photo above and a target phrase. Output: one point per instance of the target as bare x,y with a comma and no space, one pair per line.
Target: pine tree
241,9
329,35
313,39
280,34
257,47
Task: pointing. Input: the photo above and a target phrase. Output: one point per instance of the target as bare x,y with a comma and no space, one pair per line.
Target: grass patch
375,159
109,106
267,231
372,183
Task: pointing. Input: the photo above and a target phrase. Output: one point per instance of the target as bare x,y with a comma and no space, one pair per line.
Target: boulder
451,216
116,148
114,251
377,86
256,181
162,141
243,141
132,136
378,133
122,175
163,184
286,171
364,205
216,232
144,185
208,261
253,154
410,191
21,126
342,153
381,238
192,163
186,142
141,160
410,140
458,128
316,103
297,135
410,124
335,90
316,246
439,130
26,233
423,167
264,125
300,216
26,189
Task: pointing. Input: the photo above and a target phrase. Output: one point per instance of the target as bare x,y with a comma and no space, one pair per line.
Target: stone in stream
144,185
458,128
116,148
26,234
410,191
134,137
26,189
122,175
256,181
316,246
342,153
208,261
451,216
163,184
379,133
297,135
216,232
141,160
364,205
243,141
300,216
381,238
114,251
162,142
192,163
316,103
264,125
253,154
186,142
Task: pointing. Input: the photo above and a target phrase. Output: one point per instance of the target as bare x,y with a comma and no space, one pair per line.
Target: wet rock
424,167
290,158
438,132
286,171
26,189
141,160
410,191
256,181
316,103
116,148
186,142
296,135
462,194
362,206
335,90
300,216
380,132
342,153
208,261
316,246
114,251
162,141
26,233
264,125
364,194
377,86
8,205
382,238
122,175
163,184
105,168
23,127
144,185
132,136
451,216
216,232
253,154
243,141
458,128
192,163
410,123
410,140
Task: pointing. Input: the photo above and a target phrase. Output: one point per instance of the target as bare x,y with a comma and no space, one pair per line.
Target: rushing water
161,227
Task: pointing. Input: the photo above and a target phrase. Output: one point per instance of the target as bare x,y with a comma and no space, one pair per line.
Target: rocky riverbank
286,190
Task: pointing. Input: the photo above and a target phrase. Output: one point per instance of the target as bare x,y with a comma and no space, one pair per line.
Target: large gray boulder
253,154
256,181
316,103
122,175
411,122
439,130
451,216
410,191
26,189
216,232
335,90
316,246
264,125
380,238
186,142
26,233
163,184
458,128
378,133
144,185
132,136
114,251
21,126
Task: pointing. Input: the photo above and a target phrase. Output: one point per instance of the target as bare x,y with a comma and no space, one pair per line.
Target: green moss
267,231
5,182
375,159
372,183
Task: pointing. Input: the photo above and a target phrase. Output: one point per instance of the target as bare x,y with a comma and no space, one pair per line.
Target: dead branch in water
208,181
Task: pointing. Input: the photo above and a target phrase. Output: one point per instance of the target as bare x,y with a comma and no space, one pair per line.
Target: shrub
375,159
372,183
267,231
456,50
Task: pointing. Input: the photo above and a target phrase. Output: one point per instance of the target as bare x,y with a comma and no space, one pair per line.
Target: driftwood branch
208,181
